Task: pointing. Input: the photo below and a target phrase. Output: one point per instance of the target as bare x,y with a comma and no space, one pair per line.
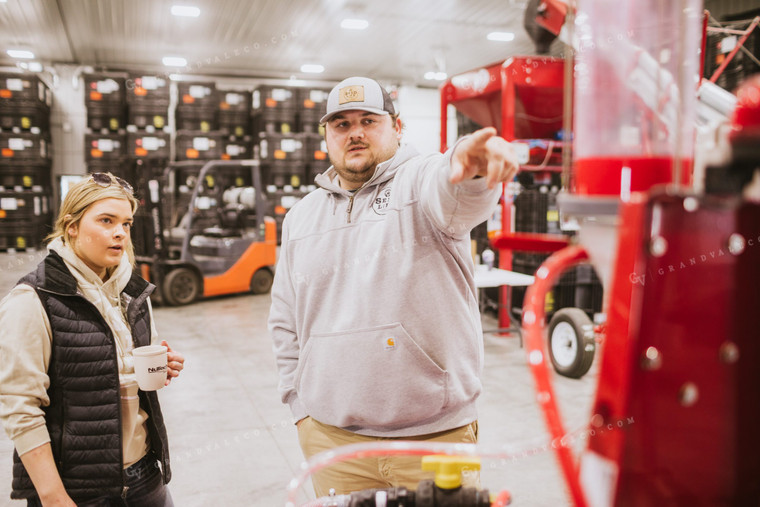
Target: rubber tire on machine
571,342
261,281
181,287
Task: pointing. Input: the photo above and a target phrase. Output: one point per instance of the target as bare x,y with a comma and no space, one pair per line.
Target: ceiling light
501,36
186,10
312,68
435,76
174,61
30,66
20,53
354,24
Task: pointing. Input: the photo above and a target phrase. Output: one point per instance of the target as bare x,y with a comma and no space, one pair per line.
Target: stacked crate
105,140
148,141
197,106
105,100
312,107
148,99
273,109
281,151
198,136
25,160
290,142
234,118
535,210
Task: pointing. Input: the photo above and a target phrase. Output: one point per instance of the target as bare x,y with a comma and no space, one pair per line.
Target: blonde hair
78,200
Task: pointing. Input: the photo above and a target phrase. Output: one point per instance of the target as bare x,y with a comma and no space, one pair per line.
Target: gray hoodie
374,314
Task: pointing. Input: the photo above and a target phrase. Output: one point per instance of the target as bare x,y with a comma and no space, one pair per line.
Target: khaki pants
378,472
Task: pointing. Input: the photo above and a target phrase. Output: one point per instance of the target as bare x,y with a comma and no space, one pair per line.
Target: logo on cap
354,93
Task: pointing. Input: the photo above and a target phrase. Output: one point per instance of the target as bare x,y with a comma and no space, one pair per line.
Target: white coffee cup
150,367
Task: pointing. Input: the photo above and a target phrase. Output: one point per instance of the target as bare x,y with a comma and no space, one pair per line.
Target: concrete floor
233,442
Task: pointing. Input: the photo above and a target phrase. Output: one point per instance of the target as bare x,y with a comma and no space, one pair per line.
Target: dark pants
146,489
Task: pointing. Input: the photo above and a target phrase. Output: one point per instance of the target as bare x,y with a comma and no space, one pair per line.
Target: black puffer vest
84,416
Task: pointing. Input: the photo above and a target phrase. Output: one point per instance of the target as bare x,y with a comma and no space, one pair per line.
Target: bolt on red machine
676,415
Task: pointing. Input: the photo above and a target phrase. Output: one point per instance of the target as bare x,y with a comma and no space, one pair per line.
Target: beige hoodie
25,346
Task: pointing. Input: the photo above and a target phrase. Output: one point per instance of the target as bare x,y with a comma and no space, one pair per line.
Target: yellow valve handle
448,469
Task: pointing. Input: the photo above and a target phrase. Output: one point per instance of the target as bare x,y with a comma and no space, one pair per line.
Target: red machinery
676,414
523,98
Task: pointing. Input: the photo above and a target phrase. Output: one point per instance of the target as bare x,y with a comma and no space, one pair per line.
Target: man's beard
355,175
361,176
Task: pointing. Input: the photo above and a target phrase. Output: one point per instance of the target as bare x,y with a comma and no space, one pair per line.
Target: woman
82,431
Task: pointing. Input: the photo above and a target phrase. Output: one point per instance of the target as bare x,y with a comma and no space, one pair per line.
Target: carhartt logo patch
354,93
380,206
390,343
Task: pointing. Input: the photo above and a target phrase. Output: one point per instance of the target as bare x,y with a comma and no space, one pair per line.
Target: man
374,315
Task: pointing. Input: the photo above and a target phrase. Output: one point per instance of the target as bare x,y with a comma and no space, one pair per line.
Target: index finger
483,135
165,344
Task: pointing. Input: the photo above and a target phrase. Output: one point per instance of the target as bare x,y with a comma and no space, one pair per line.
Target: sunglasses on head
105,181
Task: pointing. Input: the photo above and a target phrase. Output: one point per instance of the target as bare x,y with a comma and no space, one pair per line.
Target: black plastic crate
35,118
194,145
23,206
26,178
23,90
275,121
284,173
148,90
102,117
196,118
282,147
317,160
104,89
197,94
312,105
143,115
23,235
104,147
148,145
237,148
280,201
268,97
235,101
234,123
536,211
24,148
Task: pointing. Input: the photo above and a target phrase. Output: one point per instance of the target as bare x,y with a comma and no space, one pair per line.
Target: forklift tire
571,342
181,287
261,281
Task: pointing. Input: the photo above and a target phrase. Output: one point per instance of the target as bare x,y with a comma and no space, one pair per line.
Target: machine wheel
571,342
261,281
181,286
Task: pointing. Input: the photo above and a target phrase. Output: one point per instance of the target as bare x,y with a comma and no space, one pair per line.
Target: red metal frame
731,55
533,326
551,15
522,98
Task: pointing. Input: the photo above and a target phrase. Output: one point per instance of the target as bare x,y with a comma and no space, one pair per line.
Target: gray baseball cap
360,93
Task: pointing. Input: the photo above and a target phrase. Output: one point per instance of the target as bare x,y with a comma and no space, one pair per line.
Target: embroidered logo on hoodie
382,201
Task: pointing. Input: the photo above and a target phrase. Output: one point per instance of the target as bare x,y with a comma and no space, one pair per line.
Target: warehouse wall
68,119
420,109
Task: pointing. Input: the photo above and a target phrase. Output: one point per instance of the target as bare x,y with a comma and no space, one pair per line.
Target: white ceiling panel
268,38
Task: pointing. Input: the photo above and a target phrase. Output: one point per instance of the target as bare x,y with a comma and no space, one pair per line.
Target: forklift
203,232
